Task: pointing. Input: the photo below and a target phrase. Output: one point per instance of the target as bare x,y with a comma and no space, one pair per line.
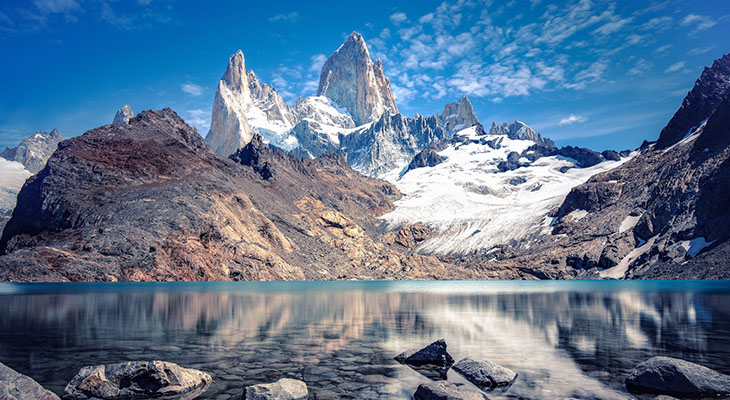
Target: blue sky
602,74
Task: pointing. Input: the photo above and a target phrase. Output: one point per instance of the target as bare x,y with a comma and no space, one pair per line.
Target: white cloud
192,89
701,50
612,27
698,22
398,17
199,119
288,17
642,66
317,62
675,67
658,23
57,6
572,119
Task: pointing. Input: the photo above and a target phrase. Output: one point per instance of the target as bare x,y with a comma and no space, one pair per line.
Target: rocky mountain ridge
150,200
34,150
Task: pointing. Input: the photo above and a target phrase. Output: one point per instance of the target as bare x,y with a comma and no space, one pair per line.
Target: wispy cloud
572,119
697,23
701,50
317,62
192,89
642,66
198,118
398,17
288,17
675,67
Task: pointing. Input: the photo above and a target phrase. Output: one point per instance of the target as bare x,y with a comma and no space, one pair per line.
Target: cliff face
352,80
150,200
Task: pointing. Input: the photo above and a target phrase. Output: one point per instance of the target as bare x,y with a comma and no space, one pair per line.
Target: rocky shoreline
661,376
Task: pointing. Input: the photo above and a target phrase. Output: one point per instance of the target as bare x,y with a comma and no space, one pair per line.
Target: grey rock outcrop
677,377
283,389
137,380
35,150
123,115
519,130
443,390
425,158
435,353
458,116
16,386
352,80
485,373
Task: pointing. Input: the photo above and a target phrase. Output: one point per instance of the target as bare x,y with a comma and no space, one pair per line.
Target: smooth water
565,339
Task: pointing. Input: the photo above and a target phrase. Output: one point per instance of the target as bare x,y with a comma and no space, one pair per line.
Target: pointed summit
235,75
353,81
123,115
458,116
229,127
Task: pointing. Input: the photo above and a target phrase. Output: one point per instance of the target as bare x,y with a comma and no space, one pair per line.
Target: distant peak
123,115
236,70
355,37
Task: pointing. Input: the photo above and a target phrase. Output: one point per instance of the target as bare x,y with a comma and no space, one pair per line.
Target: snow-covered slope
470,205
12,176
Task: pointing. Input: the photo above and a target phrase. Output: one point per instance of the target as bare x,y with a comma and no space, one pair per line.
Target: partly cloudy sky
603,74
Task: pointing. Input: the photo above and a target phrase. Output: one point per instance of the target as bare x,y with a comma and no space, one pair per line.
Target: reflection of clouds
551,338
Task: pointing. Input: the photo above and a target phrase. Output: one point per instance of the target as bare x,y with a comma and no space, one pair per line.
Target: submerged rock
283,389
485,373
16,386
137,380
434,353
443,390
674,376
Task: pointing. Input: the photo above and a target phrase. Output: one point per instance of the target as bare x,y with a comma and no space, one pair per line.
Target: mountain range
342,185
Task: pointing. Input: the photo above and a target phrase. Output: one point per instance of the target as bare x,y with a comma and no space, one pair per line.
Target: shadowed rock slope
150,200
664,214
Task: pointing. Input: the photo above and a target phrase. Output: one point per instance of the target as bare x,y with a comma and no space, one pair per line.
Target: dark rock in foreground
137,380
283,389
434,353
678,377
443,390
16,386
485,374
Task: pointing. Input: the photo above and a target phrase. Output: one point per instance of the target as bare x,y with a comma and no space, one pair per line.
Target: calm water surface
565,339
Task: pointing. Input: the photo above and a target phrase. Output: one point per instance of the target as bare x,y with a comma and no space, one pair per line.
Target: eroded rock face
123,115
352,80
485,373
678,377
16,386
283,389
34,151
443,390
137,380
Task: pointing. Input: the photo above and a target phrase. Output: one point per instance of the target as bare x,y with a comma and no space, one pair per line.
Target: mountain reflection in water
570,339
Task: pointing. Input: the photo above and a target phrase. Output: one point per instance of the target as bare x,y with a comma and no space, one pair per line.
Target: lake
564,338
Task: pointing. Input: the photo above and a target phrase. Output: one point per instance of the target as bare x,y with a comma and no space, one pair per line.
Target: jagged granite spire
353,81
458,116
229,128
123,115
